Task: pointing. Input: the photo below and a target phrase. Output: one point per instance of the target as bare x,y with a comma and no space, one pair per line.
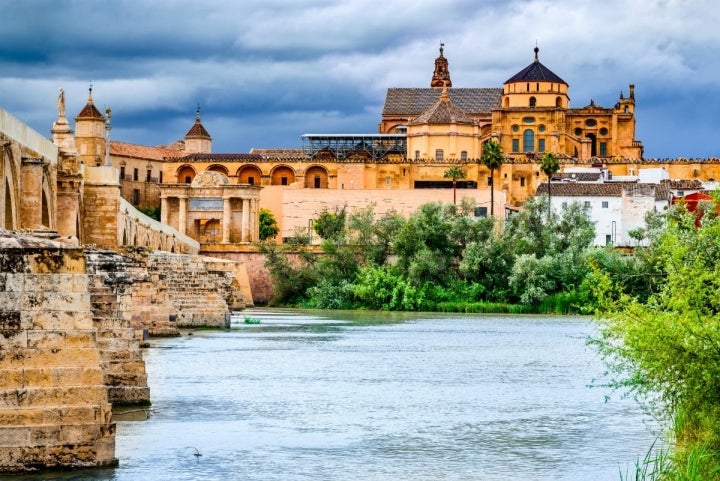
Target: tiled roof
414,101
579,176
197,130
612,189
683,184
220,157
90,111
579,189
279,153
443,112
535,72
121,149
662,192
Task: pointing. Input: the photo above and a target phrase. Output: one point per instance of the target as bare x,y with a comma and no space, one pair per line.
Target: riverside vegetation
658,308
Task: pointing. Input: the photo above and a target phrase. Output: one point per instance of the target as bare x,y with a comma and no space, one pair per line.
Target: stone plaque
206,204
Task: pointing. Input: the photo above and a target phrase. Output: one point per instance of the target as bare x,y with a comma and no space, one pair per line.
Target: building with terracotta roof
616,208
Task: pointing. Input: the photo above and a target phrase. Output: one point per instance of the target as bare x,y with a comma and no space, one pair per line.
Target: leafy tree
492,157
667,349
268,225
292,268
423,245
528,232
549,164
454,173
331,225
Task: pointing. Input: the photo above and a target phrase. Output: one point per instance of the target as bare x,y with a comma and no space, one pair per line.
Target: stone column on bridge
182,214
226,220
245,236
31,193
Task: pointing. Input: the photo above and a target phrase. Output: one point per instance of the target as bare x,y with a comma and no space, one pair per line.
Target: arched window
528,140
533,101
558,101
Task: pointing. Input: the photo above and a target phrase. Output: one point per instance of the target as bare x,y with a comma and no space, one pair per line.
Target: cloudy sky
264,72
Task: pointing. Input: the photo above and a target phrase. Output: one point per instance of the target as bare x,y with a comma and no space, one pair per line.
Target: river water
379,396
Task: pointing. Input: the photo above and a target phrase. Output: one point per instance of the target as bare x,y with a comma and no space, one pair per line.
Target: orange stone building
422,132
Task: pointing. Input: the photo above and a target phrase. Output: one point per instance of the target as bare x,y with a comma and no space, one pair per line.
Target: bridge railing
137,229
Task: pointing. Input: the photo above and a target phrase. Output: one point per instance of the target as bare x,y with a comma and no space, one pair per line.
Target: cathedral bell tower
441,75
90,134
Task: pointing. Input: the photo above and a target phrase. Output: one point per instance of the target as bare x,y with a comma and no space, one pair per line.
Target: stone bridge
135,229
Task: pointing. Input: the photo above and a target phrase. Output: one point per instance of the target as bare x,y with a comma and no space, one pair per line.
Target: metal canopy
342,145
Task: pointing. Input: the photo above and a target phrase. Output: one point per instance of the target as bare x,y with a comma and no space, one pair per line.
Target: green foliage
251,320
454,173
330,225
150,212
666,348
492,155
441,257
268,225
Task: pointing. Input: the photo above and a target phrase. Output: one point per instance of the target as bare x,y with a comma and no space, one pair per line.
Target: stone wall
54,409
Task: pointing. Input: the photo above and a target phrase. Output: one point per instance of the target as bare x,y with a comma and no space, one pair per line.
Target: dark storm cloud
265,72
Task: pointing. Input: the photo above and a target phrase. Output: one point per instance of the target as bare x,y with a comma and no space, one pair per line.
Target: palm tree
549,164
454,173
492,158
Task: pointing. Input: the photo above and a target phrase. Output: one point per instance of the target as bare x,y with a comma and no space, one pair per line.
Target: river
379,396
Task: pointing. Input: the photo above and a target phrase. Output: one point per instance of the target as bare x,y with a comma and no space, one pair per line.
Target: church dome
535,72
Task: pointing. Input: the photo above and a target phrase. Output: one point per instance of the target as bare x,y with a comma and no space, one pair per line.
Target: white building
615,208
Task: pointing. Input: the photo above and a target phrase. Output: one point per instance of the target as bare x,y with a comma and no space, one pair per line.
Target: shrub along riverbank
658,308
439,259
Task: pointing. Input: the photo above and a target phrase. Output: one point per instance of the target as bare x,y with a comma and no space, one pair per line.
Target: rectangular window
586,204
317,182
135,174
605,204
122,173
481,211
251,180
522,181
188,180
541,145
148,175
489,180
388,181
417,155
136,196
160,177
283,181
603,149
516,145
608,239
463,155
439,155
